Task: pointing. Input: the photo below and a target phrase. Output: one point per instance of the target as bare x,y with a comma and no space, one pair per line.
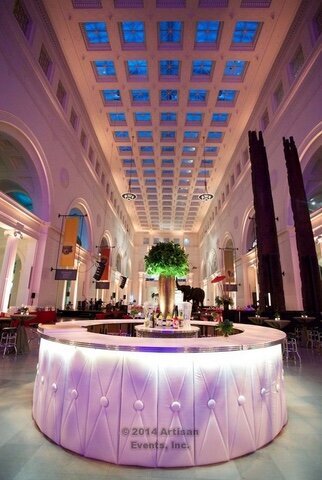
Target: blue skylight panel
207,31
125,149
104,69
203,173
147,162
190,135
121,135
117,117
140,96
96,33
245,33
215,136
208,163
194,117
170,32
146,150
112,95
167,162
144,135
187,162
198,95
168,135
131,172
127,162
227,96
137,68
184,181
235,68
169,95
142,117
169,68
220,118
202,68
168,117
149,173
210,150
186,149
167,150
186,172
133,32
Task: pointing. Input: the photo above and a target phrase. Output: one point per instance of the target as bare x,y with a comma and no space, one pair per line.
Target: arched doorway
74,292
24,201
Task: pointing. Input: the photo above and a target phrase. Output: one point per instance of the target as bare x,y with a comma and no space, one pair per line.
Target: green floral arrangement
221,300
168,259
226,327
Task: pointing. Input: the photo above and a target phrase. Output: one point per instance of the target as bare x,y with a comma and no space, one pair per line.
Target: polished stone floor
25,454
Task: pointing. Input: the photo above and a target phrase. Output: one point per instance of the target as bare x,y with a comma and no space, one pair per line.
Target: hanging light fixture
129,195
205,196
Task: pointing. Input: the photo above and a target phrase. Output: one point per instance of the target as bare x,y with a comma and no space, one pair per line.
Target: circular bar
157,402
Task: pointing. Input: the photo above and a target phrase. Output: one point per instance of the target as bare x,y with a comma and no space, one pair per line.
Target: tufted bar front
159,402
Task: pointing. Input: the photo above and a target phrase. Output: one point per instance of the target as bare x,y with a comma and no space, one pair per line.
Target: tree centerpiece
168,260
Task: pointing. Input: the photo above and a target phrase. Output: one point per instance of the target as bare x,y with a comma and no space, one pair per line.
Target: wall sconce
17,233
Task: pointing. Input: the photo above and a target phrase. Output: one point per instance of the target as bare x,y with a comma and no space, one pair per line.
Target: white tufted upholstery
107,404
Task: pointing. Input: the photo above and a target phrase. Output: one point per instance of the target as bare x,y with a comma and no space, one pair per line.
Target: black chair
8,340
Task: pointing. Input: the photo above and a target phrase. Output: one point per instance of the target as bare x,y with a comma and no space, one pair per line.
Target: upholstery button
74,393
104,402
175,406
211,403
263,391
277,387
241,400
54,387
138,405
42,379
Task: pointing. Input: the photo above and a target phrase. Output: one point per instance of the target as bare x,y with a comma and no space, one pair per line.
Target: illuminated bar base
170,403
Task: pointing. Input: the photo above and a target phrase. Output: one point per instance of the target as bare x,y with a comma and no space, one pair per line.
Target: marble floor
25,454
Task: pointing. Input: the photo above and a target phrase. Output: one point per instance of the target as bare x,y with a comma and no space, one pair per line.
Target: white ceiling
167,192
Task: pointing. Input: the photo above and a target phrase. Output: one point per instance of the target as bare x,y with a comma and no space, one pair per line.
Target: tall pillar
38,264
141,281
8,264
271,291
309,268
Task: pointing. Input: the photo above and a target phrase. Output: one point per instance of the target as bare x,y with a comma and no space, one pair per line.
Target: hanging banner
68,246
105,257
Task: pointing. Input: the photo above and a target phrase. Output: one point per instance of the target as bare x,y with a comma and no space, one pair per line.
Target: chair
313,339
8,340
290,349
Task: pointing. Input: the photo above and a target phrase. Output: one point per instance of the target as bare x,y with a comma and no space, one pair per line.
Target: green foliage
168,259
219,301
226,327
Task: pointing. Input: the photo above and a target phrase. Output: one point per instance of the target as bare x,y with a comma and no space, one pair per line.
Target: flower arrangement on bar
221,300
24,310
226,327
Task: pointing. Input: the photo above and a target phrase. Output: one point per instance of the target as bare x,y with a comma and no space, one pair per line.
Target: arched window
83,232
22,198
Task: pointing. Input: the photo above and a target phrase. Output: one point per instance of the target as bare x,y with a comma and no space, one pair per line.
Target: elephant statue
197,295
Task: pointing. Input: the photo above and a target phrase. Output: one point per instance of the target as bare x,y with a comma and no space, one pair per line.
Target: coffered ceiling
169,86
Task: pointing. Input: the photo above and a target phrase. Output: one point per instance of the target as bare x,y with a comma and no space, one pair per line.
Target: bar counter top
75,332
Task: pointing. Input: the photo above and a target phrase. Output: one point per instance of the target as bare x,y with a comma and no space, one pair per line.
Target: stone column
271,291
8,264
141,281
309,268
